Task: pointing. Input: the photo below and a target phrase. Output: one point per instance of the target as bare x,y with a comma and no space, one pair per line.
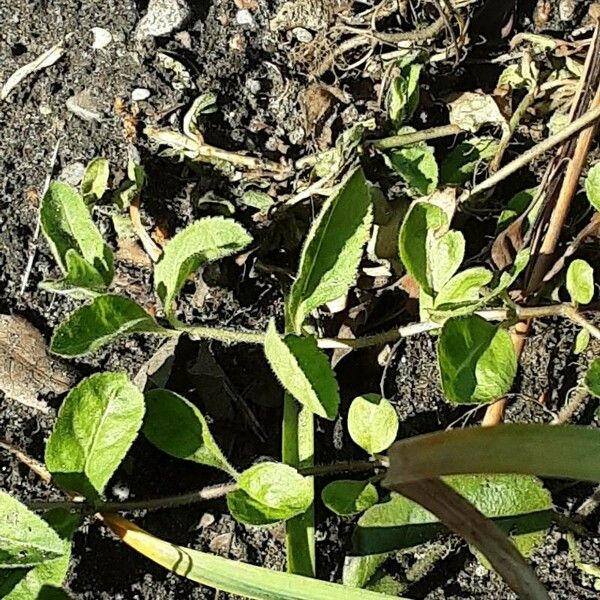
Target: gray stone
163,17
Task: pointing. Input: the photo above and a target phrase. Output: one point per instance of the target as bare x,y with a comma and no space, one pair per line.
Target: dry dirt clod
163,17
26,369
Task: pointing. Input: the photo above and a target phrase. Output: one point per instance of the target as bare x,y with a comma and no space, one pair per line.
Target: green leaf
563,452
95,180
592,378
201,242
518,204
304,371
419,238
464,287
270,492
372,423
460,163
333,249
476,359
417,166
81,281
359,570
580,282
446,256
233,576
582,341
103,320
403,97
348,497
67,225
178,428
26,540
130,189
42,581
592,186
259,200
519,504
96,424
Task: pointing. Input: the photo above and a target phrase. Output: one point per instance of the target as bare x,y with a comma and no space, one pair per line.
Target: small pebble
253,86
221,544
72,173
102,38
244,17
121,492
140,94
84,106
163,17
206,520
302,35
566,10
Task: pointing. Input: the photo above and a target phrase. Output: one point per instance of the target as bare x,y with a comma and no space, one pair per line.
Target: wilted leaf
332,250
592,378
580,282
95,427
26,540
304,371
460,163
592,186
201,242
472,110
67,225
348,497
403,97
372,423
26,369
178,428
476,359
519,504
95,180
417,166
105,319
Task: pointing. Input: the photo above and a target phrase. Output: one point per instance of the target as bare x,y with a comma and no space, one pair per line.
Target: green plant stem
197,332
405,139
211,492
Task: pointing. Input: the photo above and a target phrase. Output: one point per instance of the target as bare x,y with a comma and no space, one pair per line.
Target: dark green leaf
333,249
249,511
592,378
460,163
476,359
372,423
304,371
417,166
96,425
348,497
82,280
105,319
178,428
403,97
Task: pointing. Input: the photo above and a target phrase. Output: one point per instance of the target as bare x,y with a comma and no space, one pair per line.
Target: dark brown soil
258,86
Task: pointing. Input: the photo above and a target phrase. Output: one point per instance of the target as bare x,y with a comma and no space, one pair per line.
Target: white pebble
244,17
102,38
140,94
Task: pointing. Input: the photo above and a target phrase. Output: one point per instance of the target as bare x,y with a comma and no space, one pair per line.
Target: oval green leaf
201,242
592,186
333,249
372,423
98,323
580,282
82,280
304,371
464,287
460,163
95,180
476,360
247,510
403,97
177,427
96,425
417,166
348,497
592,378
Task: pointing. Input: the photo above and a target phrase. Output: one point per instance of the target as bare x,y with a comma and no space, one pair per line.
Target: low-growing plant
482,483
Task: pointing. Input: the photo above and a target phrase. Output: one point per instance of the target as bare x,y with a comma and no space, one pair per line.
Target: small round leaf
372,423
592,186
592,378
348,497
580,281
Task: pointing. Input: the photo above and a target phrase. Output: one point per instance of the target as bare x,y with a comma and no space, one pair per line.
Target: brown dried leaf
26,368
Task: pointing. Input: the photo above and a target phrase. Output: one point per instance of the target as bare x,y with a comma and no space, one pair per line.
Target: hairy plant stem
578,397
208,493
404,139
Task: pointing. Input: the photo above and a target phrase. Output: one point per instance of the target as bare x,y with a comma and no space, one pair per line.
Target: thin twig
405,139
37,467
578,397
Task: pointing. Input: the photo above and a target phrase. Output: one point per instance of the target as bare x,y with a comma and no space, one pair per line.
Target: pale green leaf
460,163
178,428
359,570
445,257
582,341
259,200
580,282
333,249
417,166
26,540
233,576
348,497
464,287
304,371
472,110
518,503
592,378
82,280
592,186
43,581
249,511
67,224
476,359
372,423
201,242
95,180
106,318
96,424
403,97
